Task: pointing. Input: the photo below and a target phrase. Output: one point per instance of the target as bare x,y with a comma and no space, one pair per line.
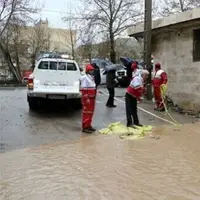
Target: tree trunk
90,56
33,58
18,66
182,6
8,60
72,44
112,49
73,52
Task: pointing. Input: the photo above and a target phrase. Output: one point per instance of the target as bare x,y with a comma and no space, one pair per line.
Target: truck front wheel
33,103
77,104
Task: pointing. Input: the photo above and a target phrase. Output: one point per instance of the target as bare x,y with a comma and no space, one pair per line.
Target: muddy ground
44,155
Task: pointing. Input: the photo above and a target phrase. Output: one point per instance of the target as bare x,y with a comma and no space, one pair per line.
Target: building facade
41,37
176,45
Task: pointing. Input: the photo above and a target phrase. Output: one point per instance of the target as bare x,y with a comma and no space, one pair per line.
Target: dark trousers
96,91
110,101
131,110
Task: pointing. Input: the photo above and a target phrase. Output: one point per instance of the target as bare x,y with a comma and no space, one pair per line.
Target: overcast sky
54,10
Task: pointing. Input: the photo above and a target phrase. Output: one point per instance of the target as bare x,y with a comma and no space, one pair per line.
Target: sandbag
125,132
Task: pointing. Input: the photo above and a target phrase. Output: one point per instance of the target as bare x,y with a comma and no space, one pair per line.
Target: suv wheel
77,104
33,103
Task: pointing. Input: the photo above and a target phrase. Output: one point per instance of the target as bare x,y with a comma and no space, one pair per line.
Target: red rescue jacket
136,88
160,78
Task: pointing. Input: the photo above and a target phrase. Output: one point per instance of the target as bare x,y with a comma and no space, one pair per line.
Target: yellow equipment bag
125,132
163,89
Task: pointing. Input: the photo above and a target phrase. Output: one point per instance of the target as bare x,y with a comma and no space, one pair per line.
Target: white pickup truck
54,78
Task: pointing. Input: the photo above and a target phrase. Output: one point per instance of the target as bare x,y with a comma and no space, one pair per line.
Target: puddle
106,167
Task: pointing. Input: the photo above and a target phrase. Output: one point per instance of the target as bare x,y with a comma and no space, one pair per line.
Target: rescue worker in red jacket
160,78
88,89
131,70
133,94
135,70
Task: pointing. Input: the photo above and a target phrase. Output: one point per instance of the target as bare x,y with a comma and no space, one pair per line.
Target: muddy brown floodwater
105,167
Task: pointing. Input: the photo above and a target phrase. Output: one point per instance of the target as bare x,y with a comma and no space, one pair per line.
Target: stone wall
174,51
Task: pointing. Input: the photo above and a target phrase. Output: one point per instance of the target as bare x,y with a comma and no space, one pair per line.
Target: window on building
196,45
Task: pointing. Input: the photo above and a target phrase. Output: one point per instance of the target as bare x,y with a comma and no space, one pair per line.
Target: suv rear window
43,65
62,66
53,66
57,66
71,67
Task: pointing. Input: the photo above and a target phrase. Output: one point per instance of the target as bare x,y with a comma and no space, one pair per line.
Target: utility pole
147,44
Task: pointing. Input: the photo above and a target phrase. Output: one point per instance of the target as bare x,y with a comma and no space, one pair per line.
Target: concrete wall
190,15
174,51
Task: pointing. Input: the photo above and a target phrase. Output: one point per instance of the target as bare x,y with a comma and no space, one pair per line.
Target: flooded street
45,156
102,167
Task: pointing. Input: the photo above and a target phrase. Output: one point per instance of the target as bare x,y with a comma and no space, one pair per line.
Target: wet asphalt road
20,128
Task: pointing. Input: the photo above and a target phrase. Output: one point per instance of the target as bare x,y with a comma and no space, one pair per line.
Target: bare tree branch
118,9
100,5
3,5
39,40
168,7
9,15
13,15
111,16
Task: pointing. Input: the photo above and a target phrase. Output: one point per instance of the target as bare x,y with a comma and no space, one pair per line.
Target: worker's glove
139,100
144,91
116,81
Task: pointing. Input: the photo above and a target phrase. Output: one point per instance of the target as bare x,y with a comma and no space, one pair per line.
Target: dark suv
121,73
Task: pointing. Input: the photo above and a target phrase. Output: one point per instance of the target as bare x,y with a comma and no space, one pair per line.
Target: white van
54,78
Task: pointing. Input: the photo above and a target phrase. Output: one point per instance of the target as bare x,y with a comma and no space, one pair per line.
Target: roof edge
179,18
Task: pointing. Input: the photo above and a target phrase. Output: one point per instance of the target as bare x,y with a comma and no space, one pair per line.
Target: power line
56,11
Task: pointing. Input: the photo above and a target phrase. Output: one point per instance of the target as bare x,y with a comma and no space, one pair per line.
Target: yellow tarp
124,132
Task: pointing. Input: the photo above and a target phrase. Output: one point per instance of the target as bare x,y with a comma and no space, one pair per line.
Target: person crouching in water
133,93
88,89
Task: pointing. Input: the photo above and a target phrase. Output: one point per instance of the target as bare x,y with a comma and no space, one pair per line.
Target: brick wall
174,51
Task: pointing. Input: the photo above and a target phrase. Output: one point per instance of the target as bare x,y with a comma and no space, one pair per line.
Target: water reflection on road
105,167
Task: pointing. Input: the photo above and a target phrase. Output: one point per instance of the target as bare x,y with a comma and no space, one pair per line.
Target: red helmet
134,66
157,66
88,68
